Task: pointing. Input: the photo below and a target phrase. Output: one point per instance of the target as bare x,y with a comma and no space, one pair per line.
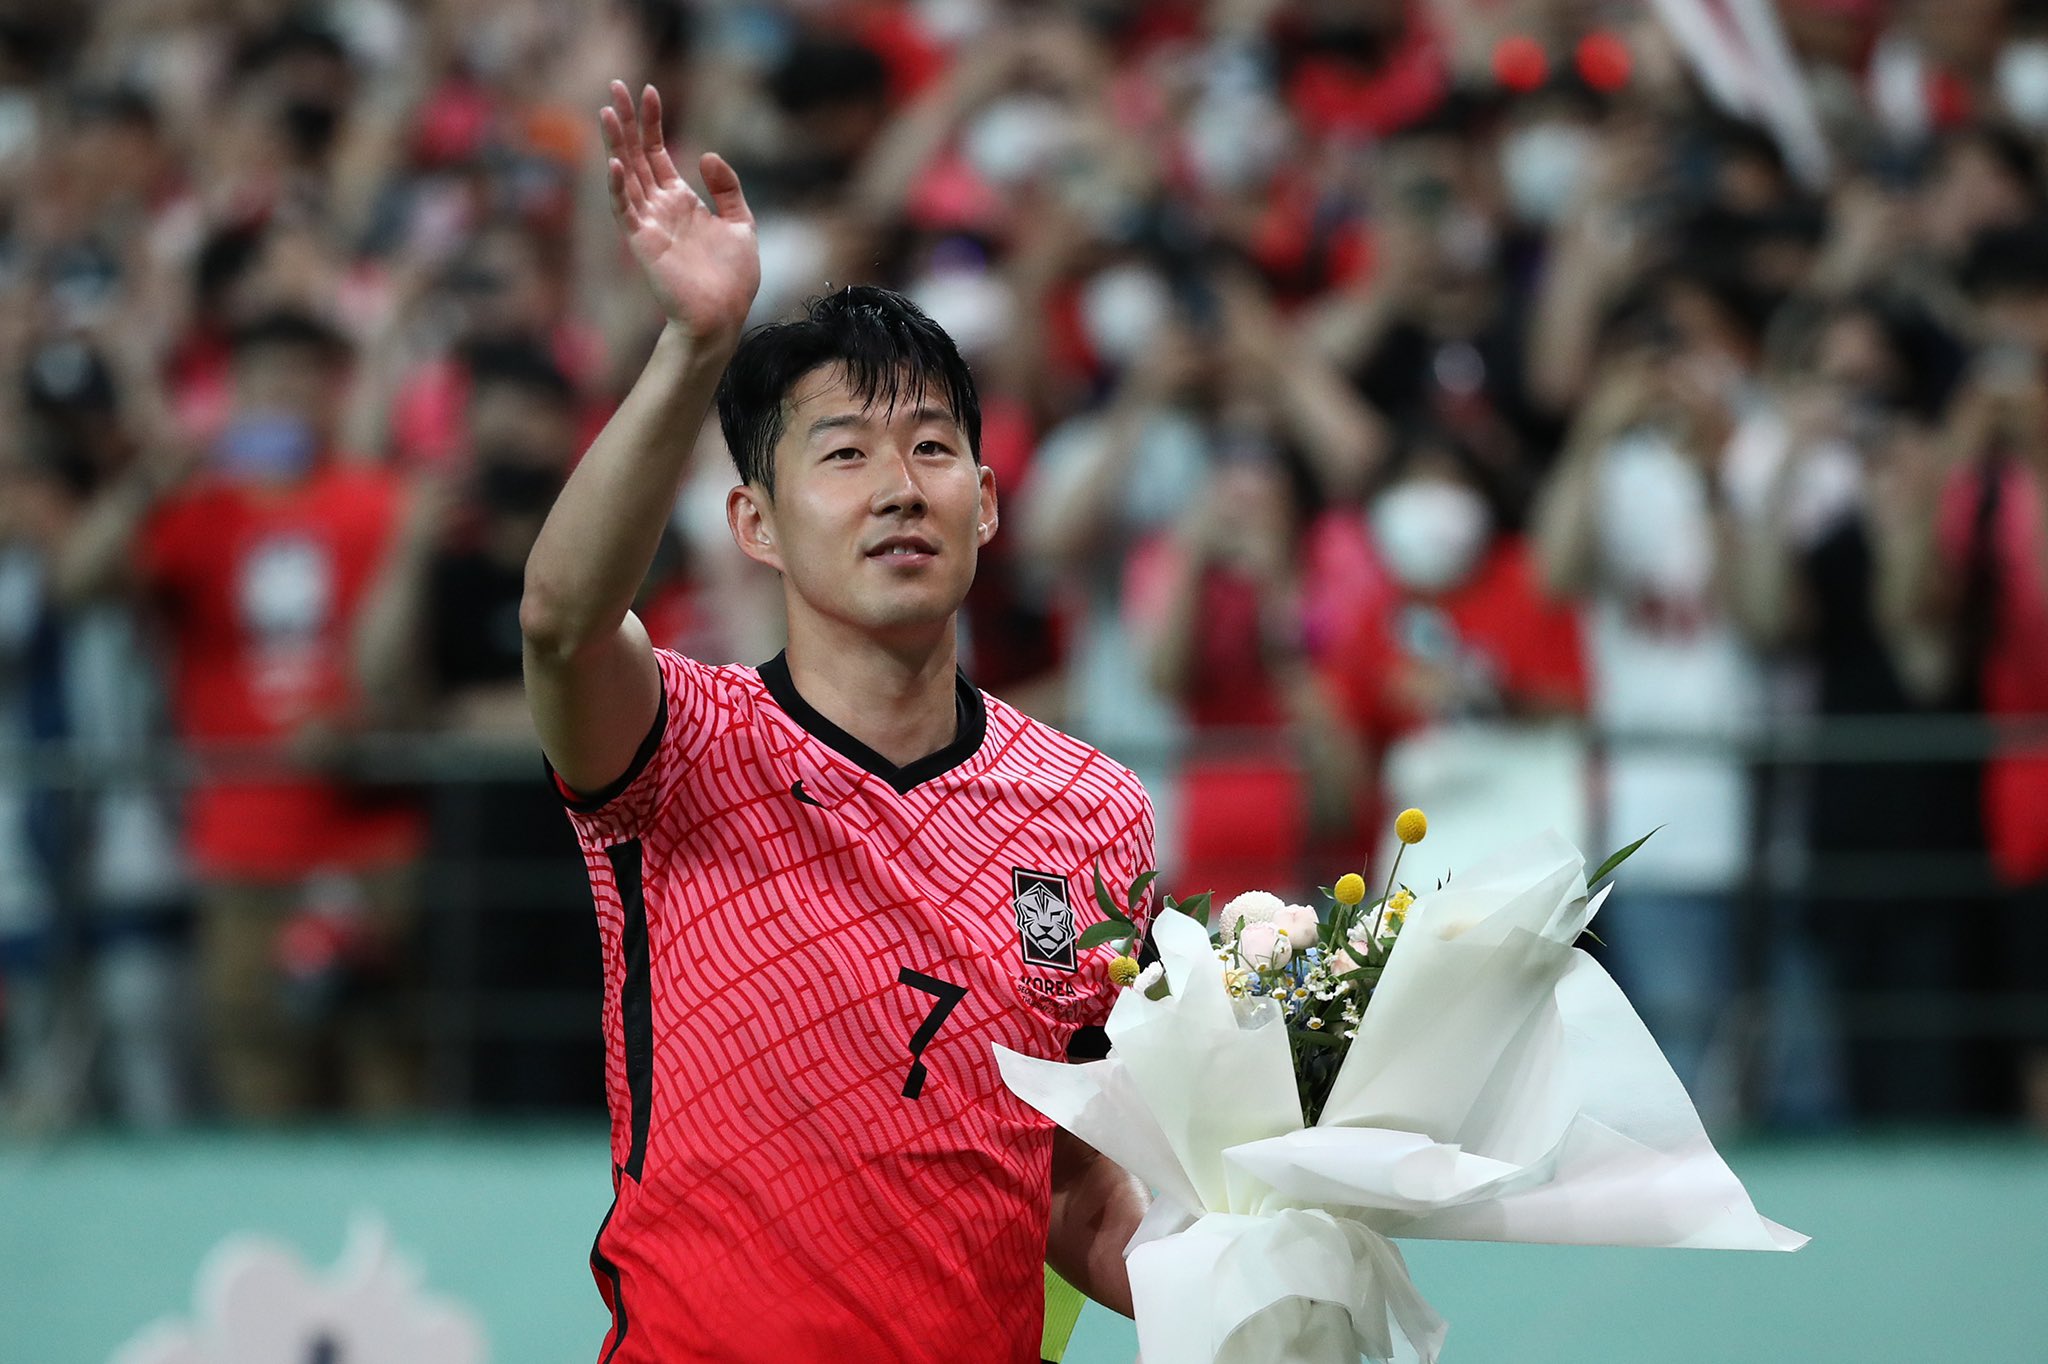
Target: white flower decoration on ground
257,1303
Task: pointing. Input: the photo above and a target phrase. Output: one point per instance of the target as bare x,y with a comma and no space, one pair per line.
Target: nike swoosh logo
797,789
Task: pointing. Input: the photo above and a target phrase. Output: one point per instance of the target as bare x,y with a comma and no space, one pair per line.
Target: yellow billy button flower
1350,888
1123,970
1410,826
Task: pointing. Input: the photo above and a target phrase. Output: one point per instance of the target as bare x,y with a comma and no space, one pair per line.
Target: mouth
904,551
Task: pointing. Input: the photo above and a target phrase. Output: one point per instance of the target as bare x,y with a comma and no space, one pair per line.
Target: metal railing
463,895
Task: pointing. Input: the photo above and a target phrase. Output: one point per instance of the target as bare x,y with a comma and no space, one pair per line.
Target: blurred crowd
1539,411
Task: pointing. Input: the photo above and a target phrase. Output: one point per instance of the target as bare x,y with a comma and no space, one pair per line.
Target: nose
896,488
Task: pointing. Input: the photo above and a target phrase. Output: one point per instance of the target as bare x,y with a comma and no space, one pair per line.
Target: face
297,380
878,516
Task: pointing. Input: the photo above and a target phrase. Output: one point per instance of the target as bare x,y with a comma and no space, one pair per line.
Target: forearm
1566,322
1169,653
1758,570
599,539
1065,523
1347,330
389,636
1332,753
94,558
1564,525
1096,1210
1340,433
1909,603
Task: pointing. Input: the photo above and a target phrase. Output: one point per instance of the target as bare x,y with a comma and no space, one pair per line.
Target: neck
895,696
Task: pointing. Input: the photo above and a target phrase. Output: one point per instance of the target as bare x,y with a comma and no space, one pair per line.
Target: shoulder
703,700
1034,754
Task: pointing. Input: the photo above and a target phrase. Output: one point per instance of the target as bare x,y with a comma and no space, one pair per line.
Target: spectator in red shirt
1992,532
259,564
1454,630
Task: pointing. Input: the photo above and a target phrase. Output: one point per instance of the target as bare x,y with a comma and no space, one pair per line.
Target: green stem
1374,951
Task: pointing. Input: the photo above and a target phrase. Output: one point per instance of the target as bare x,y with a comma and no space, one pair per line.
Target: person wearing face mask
1453,658
257,563
1635,521
1107,485
439,651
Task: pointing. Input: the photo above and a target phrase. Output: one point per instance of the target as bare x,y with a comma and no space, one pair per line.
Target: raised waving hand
704,265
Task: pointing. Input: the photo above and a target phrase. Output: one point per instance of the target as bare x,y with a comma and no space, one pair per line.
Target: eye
843,454
933,447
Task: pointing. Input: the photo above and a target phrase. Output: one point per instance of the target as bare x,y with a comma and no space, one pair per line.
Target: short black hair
289,327
891,351
2004,262
521,365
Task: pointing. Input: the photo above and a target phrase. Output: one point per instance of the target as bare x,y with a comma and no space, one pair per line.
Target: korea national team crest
1045,920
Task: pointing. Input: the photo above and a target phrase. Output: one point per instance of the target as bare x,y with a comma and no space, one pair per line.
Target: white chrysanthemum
1253,907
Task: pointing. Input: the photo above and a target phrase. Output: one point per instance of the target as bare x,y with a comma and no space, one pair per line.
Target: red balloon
1519,63
1604,61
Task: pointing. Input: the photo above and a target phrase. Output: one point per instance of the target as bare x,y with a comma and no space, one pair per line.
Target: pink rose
1299,923
1342,964
1263,945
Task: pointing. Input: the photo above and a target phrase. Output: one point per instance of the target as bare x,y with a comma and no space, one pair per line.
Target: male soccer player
828,886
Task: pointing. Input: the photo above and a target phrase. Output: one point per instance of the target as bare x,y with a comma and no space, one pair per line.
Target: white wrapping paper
1500,1088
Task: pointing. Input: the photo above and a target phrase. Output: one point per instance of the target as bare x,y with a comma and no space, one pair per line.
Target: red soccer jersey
261,590
809,957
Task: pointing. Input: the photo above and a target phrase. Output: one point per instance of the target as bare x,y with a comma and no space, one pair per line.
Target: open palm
704,265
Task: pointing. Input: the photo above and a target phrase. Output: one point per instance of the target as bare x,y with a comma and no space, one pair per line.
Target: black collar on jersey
970,716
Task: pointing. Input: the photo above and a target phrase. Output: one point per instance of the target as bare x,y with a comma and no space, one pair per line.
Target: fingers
660,168
615,181
621,124
724,183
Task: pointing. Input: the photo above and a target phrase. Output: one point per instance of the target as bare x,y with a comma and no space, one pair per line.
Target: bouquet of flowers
1301,1085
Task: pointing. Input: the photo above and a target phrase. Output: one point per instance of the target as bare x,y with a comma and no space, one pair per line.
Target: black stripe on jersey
601,1265
970,718
611,791
636,996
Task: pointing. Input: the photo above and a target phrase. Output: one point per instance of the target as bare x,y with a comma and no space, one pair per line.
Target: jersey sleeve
684,725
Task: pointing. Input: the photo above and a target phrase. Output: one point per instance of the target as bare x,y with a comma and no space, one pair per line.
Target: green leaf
1138,889
1196,907
1317,1037
1107,931
1617,859
1102,896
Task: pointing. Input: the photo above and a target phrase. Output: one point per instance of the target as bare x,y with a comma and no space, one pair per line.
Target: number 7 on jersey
947,994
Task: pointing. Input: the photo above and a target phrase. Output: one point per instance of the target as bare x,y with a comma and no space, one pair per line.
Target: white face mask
2023,82
1016,137
976,308
1431,534
1122,311
1543,166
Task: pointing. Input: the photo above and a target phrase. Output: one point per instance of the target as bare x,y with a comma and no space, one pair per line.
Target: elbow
547,626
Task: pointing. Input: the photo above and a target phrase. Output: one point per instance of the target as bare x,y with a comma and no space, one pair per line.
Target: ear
985,504
751,517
